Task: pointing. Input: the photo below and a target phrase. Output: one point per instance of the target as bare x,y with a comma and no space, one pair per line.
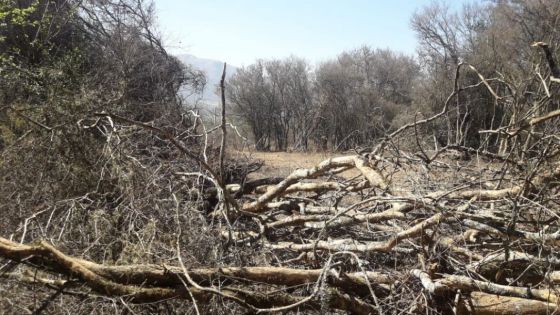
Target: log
488,304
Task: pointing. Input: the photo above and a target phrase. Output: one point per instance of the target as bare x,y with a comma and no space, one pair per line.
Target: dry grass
281,164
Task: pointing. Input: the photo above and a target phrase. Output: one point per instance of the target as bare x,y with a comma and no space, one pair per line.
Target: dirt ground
281,164
409,179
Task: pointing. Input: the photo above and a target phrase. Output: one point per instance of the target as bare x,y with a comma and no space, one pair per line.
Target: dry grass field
281,164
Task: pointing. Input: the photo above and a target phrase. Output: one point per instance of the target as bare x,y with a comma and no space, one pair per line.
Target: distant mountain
213,71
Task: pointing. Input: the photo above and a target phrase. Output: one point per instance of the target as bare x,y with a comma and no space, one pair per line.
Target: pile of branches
385,232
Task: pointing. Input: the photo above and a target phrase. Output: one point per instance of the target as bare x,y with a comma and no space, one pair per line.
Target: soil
281,164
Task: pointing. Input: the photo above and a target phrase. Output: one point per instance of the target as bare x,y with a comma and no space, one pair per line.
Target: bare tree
360,94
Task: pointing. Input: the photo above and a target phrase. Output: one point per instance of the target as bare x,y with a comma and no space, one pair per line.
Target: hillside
213,71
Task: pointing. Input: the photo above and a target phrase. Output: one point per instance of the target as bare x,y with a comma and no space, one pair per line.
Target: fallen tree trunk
479,303
151,283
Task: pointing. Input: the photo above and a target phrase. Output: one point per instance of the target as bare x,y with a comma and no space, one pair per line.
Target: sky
241,31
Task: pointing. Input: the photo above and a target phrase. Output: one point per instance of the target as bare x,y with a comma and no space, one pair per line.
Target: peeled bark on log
316,187
374,177
381,246
502,231
148,283
296,176
356,219
486,194
480,303
452,283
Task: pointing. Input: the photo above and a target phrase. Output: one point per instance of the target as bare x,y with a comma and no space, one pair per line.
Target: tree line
363,94
342,103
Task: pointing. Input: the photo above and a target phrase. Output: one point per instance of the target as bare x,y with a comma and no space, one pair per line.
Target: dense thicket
364,94
360,94
339,105
497,40
61,63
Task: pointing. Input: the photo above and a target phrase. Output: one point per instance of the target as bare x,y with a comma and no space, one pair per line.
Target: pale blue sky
240,31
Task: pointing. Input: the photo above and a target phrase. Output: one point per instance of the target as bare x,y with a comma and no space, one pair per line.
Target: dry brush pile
452,230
